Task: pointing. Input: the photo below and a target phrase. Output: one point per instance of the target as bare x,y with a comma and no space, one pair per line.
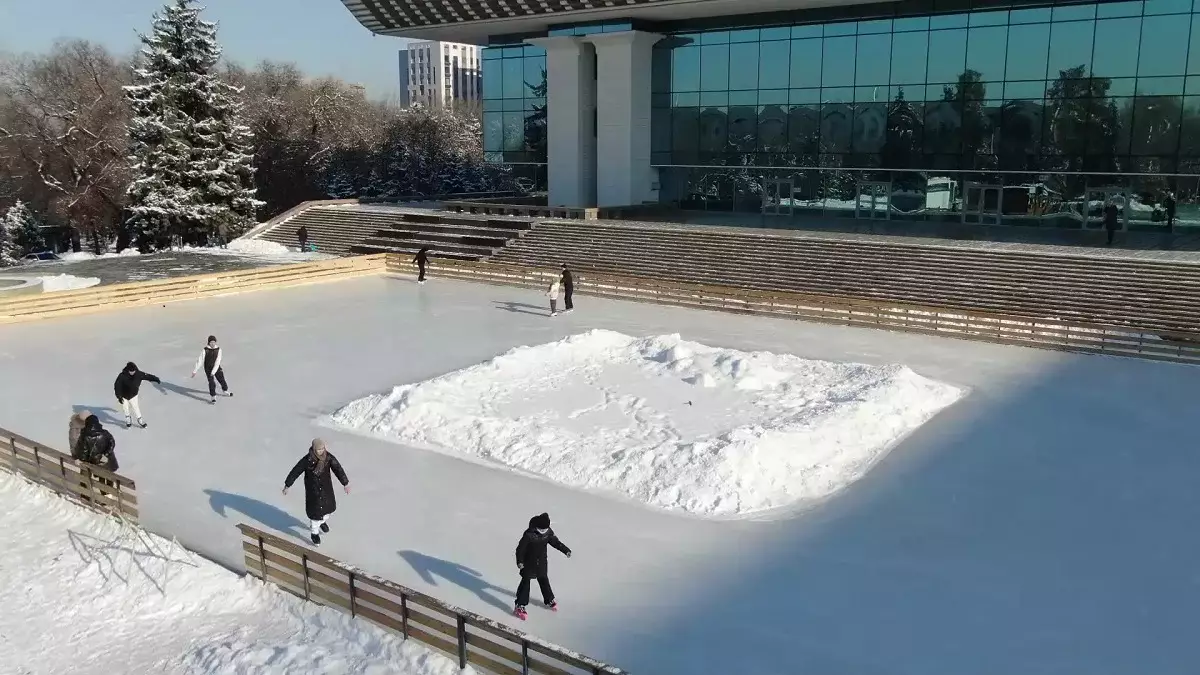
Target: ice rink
1045,523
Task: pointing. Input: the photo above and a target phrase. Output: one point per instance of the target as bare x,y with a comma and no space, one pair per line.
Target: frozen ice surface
1043,524
84,593
663,420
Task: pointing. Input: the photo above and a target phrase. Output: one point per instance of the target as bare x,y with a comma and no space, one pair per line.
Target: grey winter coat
78,420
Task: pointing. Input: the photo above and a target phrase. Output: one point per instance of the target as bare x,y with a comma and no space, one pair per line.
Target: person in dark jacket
1111,222
78,421
210,361
421,260
302,235
1169,205
127,386
568,284
533,564
319,500
96,445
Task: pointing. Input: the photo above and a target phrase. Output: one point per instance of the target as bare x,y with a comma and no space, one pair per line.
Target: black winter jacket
531,551
127,386
96,446
568,281
319,500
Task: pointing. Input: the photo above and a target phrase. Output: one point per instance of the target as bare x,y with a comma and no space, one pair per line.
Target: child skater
210,361
552,293
532,562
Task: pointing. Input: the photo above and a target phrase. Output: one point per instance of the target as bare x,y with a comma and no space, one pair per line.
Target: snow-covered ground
66,282
261,249
84,593
665,421
1044,523
71,256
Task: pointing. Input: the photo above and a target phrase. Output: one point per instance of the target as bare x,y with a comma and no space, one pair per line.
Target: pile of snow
260,249
67,282
672,423
83,592
85,255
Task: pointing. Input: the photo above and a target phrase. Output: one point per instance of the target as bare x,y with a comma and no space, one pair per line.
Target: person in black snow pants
421,260
568,284
210,361
127,386
319,500
532,562
302,235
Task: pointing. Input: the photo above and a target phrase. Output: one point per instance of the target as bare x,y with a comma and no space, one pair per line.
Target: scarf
322,461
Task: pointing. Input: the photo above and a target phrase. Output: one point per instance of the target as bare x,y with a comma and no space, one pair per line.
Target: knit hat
318,445
541,522
131,366
212,338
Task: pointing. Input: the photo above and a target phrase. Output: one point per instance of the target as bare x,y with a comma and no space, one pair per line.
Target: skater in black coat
533,563
319,500
421,260
568,283
96,445
126,387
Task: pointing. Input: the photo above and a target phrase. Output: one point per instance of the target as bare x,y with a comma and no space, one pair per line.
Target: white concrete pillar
624,176
570,133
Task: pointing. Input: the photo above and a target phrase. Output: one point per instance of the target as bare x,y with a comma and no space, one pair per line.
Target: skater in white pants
127,386
319,500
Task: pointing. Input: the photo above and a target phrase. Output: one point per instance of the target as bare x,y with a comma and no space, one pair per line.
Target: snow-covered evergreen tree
8,253
191,155
24,232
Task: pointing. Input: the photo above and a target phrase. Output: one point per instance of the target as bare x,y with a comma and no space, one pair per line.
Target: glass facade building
939,110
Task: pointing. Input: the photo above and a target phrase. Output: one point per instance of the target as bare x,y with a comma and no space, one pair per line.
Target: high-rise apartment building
440,73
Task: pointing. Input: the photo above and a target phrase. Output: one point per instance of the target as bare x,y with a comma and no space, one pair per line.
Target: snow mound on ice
86,255
260,249
675,424
67,282
105,594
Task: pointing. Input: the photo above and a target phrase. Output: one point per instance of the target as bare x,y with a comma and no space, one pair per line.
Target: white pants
316,524
129,403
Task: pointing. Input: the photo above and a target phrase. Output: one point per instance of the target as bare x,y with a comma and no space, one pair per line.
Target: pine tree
8,254
191,156
22,234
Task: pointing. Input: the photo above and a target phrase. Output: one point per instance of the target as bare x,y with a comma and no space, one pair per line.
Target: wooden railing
100,298
471,639
1041,332
92,486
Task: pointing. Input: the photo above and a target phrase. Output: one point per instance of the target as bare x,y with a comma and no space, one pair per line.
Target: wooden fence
90,485
471,639
1040,332
100,298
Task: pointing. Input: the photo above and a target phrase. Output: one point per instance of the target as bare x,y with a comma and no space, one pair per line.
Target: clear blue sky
321,36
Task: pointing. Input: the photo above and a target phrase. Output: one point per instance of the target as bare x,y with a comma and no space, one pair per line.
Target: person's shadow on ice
195,394
272,517
459,575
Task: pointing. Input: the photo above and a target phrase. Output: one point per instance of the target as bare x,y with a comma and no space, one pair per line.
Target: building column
570,132
623,65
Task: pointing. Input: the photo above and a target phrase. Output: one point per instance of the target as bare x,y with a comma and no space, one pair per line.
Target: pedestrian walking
210,361
127,387
302,235
319,500
78,420
421,260
568,283
1111,221
1169,205
552,292
533,564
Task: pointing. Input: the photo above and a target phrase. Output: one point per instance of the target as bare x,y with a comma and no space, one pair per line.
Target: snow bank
85,255
67,282
82,594
260,249
675,424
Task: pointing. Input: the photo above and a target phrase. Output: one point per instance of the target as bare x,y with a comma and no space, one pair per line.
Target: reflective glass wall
514,110
1038,114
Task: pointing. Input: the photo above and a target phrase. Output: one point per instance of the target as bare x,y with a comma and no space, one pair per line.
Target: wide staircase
361,229
1106,290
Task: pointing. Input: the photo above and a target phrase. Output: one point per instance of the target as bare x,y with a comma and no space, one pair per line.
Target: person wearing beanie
78,420
126,387
319,500
532,562
568,284
210,361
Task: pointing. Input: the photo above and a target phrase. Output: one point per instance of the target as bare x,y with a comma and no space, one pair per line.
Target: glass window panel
1193,67
772,128
1168,6
489,53
493,132
908,57
744,56
660,130
750,35
837,126
493,79
533,51
714,67
873,27
777,33
513,52
714,38
535,77
1116,53
493,105
1074,12
773,97
1024,90
712,98
685,135
989,18
947,55
1070,46
1193,85
985,52
872,63
513,105
743,98
804,96
837,94
660,70
836,29
514,80
1155,128
874,94
1164,46
807,31
773,62
837,62
690,99
685,69
911,23
1112,10
1122,86
1028,47
948,21
1036,15
714,129
1160,86
514,132
805,70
